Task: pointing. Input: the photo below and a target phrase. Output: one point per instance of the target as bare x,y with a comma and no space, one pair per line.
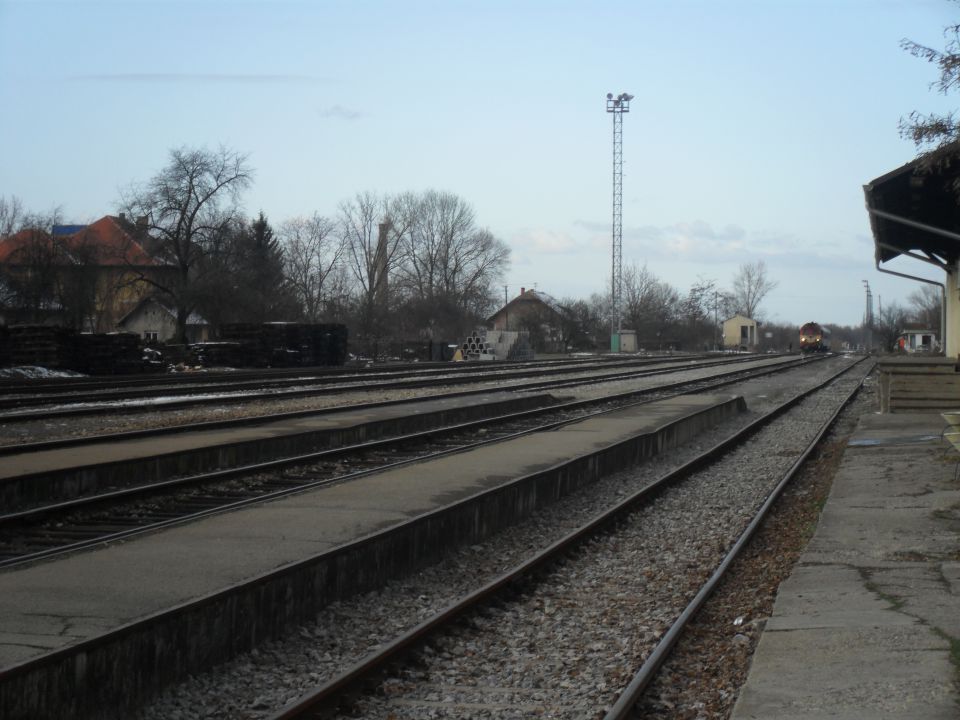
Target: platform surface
862,629
61,602
28,463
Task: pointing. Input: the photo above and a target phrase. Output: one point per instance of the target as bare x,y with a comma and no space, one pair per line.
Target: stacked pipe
497,344
476,345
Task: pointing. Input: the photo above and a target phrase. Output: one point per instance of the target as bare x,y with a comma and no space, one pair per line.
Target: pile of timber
41,346
59,348
107,354
286,344
223,354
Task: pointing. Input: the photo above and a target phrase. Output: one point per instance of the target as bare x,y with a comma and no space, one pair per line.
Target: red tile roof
113,240
13,247
110,239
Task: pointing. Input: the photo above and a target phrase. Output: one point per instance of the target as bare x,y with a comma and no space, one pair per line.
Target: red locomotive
814,338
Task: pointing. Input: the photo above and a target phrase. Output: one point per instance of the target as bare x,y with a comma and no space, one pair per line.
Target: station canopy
915,209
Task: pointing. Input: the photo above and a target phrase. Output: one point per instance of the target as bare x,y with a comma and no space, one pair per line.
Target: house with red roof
549,324
83,276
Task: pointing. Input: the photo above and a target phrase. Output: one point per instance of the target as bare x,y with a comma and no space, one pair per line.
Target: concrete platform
31,478
98,629
862,630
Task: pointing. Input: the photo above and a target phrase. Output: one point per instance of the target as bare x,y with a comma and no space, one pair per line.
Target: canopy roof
915,209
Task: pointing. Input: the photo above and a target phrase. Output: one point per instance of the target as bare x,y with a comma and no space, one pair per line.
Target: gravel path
667,555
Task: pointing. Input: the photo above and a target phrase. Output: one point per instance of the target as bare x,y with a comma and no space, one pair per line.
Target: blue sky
753,129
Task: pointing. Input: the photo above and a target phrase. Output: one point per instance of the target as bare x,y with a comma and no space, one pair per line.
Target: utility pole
506,315
617,106
868,319
716,320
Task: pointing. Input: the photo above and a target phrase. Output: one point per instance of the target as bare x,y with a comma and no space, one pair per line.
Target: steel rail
84,383
100,408
324,697
25,397
324,389
37,514
624,705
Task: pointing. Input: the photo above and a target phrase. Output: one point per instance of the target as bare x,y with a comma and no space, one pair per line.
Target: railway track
164,391
19,409
59,527
31,419
561,632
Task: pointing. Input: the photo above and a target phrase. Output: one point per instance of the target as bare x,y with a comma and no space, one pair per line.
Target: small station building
914,213
740,333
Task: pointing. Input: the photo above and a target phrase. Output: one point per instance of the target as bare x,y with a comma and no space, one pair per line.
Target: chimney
123,216
522,290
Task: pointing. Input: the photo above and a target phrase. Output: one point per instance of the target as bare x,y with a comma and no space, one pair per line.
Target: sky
753,128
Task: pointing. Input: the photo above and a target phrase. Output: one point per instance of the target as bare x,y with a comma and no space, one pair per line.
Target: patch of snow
27,372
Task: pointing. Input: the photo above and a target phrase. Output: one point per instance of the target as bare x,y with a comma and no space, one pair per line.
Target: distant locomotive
814,338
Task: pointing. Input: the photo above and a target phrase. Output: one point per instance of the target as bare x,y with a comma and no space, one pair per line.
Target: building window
149,336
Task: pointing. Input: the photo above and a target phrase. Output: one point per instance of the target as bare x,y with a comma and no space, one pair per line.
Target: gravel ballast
675,545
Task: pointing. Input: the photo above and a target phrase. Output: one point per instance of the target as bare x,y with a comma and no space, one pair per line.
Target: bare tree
189,209
925,305
449,264
44,276
887,326
312,254
580,327
700,311
14,218
372,228
31,275
650,306
750,286
936,131
12,215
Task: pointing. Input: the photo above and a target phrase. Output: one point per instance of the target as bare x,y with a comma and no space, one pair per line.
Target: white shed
154,321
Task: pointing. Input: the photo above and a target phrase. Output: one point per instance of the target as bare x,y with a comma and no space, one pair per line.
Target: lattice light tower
617,106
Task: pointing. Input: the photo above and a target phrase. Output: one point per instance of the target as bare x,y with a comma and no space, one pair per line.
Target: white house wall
952,319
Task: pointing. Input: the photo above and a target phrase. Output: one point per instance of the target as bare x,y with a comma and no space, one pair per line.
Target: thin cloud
699,242
204,78
546,242
338,112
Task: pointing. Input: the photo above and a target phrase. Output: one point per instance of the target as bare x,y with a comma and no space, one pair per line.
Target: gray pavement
863,628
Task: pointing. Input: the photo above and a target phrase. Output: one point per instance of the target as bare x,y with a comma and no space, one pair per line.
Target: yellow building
740,333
